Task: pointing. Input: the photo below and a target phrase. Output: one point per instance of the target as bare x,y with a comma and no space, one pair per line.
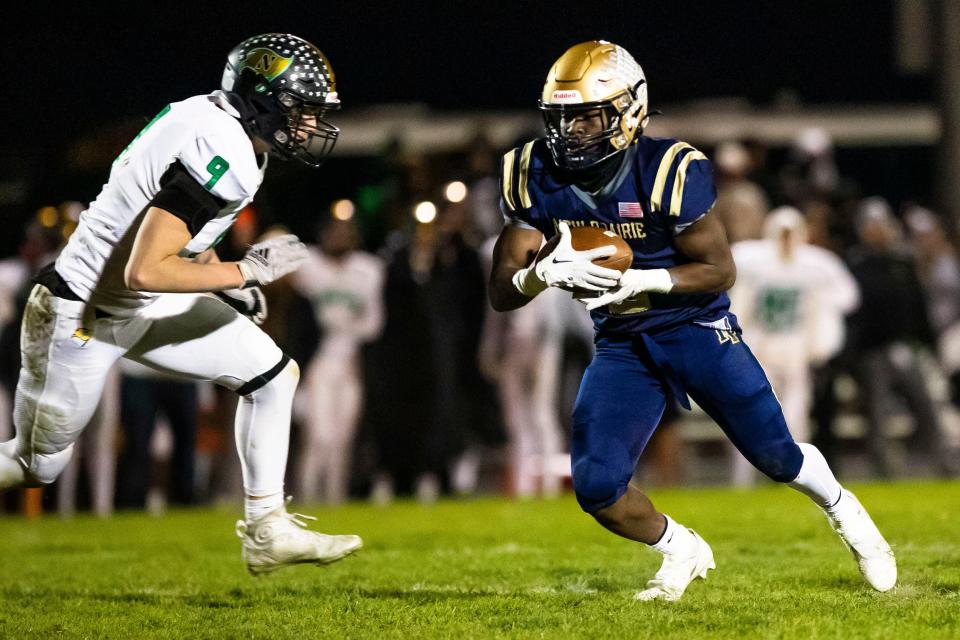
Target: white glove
632,282
567,268
272,259
250,302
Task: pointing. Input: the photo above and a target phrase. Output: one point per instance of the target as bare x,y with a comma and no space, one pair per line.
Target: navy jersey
661,187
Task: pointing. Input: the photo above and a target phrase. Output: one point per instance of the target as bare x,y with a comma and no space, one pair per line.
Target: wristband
528,283
657,280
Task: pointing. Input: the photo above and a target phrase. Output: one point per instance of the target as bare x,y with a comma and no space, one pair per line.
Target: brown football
583,238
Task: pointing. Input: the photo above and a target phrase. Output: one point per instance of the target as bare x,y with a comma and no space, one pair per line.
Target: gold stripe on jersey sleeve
524,171
507,178
676,199
656,195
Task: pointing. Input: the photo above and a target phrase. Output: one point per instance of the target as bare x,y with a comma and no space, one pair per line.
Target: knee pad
43,468
780,461
597,485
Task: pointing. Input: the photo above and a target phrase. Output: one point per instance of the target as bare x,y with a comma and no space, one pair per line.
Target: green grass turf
489,568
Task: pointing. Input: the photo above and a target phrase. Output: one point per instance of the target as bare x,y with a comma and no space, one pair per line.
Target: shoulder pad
224,168
515,171
668,162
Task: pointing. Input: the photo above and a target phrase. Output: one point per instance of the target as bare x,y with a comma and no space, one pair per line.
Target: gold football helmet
595,76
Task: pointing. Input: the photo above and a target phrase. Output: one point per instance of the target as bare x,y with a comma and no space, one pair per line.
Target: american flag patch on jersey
630,209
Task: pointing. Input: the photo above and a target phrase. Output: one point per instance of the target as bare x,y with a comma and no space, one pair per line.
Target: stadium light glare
343,209
425,212
48,216
455,191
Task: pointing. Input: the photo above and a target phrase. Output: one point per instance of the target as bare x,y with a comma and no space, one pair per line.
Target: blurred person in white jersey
521,351
345,288
791,298
135,279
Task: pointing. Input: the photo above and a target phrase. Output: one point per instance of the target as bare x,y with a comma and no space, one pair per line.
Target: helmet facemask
305,135
622,118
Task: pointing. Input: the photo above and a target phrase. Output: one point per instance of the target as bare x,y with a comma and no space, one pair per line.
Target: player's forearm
503,294
177,275
207,257
699,277
506,298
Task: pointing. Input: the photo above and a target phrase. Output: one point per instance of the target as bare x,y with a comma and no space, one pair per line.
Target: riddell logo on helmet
566,96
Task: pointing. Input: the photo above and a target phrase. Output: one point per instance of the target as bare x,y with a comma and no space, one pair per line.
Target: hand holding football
585,238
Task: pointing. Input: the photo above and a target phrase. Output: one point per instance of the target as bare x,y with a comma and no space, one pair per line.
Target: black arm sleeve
185,198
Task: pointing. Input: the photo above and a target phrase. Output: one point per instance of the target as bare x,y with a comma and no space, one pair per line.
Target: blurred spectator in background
521,352
811,170
146,396
741,204
887,333
428,398
939,269
483,191
345,289
938,266
663,458
791,299
761,172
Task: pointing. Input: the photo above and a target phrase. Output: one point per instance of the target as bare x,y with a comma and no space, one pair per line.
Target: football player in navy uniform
663,325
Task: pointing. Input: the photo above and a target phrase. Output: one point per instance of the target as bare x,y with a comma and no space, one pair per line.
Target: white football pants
96,450
67,353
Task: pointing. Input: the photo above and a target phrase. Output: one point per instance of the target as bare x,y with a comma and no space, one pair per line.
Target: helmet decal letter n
267,63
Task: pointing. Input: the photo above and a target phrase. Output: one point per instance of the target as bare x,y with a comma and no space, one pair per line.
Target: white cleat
280,539
872,553
677,572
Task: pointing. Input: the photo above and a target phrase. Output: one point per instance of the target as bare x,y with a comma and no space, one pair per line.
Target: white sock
256,508
815,479
262,430
676,539
11,471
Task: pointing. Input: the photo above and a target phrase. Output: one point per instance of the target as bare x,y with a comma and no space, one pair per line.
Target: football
584,238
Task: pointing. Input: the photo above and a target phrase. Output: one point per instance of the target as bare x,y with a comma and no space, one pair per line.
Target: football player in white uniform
135,277
791,299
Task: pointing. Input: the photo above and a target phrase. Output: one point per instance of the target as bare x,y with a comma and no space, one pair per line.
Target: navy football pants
622,397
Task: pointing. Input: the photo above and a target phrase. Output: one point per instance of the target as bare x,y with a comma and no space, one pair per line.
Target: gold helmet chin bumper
595,75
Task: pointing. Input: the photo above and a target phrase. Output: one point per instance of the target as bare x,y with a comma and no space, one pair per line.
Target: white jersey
202,134
347,299
791,311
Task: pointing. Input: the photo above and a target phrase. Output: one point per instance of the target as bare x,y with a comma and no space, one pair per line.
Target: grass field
489,568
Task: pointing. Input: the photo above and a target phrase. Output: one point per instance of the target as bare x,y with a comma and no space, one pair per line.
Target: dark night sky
70,67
